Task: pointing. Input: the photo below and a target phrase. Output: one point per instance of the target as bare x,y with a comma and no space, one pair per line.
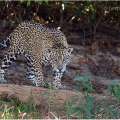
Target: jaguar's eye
64,60
55,60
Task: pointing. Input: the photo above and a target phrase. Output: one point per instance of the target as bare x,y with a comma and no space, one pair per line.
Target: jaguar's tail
5,43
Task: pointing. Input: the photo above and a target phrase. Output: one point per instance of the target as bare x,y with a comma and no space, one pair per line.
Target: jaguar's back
40,45
36,37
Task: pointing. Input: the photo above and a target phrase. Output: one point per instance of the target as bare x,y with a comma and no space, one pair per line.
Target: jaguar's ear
70,50
48,50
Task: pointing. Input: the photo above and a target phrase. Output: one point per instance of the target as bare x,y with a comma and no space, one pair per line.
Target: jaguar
40,45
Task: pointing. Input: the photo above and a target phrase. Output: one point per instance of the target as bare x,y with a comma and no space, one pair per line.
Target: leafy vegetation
87,107
62,12
16,109
81,16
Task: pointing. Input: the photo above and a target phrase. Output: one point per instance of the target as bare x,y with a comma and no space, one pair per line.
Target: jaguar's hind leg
9,58
31,73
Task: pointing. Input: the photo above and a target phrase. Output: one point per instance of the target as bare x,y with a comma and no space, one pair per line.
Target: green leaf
88,98
100,5
113,83
82,78
28,2
78,109
69,108
85,89
93,14
21,1
38,1
89,87
73,101
46,1
25,108
115,113
92,9
31,108
88,107
12,100
47,93
114,88
20,107
81,103
87,5
77,88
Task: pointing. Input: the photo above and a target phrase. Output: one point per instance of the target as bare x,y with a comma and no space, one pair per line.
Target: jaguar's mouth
55,73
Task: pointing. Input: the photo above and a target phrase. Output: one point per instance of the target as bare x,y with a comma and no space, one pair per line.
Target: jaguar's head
59,58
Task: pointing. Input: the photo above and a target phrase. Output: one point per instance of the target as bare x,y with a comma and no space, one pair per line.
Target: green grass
86,107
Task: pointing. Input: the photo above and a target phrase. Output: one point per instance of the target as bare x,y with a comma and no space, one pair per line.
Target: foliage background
83,17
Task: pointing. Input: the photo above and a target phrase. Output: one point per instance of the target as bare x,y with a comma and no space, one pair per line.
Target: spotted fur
41,45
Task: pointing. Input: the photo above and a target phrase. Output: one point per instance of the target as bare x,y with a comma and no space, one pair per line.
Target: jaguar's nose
60,68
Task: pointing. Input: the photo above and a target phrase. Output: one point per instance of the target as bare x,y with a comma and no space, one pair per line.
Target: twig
37,8
14,11
54,116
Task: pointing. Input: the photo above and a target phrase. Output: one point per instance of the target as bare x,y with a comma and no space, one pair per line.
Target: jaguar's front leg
56,84
30,73
39,76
